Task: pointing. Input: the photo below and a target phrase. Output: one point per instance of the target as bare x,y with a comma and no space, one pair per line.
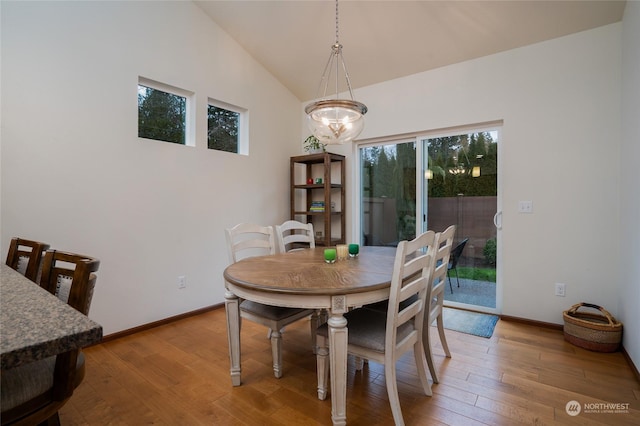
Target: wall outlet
182,281
560,289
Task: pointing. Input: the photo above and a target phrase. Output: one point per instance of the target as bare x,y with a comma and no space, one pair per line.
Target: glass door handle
497,219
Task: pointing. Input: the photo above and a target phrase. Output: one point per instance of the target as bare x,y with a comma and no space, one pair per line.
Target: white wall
629,294
560,102
75,174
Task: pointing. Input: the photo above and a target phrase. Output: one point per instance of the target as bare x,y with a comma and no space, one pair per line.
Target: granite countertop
34,324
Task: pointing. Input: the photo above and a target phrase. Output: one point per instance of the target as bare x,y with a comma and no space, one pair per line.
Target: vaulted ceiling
384,40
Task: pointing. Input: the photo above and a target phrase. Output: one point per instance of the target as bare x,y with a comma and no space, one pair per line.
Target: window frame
243,125
189,125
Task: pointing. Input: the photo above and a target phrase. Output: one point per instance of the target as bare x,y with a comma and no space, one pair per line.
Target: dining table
302,279
35,324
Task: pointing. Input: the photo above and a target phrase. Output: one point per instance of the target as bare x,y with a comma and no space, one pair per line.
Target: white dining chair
247,240
435,296
294,235
385,336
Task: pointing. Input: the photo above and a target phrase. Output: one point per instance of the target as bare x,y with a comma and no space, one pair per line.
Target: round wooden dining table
302,279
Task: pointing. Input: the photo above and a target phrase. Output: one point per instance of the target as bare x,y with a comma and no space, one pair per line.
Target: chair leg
457,279
443,338
421,364
314,324
359,363
450,286
318,318
428,351
324,316
322,366
51,421
276,352
392,391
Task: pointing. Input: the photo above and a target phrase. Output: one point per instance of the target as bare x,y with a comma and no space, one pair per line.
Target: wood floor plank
529,414
455,413
178,373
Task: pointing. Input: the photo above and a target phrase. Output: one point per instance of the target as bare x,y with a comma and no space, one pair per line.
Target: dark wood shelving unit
330,222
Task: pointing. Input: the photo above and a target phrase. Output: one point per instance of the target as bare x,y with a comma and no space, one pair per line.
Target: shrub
489,251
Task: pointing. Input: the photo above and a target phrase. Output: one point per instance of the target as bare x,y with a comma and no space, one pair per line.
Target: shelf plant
312,145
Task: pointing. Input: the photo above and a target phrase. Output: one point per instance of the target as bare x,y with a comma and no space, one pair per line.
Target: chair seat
367,329
275,313
33,381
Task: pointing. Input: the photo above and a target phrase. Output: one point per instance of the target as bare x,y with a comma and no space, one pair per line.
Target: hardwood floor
178,374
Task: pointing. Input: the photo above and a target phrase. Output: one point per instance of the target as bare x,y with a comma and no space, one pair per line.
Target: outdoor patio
472,292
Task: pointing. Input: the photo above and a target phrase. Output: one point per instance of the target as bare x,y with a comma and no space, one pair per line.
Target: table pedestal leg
338,366
232,307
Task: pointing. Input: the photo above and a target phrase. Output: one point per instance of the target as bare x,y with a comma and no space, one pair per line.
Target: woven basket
595,332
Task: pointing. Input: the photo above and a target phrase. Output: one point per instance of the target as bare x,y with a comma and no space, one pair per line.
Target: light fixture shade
335,121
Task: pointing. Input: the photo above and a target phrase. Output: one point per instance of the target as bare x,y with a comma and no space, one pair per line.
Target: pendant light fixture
335,121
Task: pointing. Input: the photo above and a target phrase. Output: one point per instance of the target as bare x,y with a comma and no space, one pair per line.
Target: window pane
161,115
223,129
388,193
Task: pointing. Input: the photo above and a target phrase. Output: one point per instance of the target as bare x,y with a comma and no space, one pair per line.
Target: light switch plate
525,207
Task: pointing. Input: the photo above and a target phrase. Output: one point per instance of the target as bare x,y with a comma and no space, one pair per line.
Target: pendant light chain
339,59
337,38
338,54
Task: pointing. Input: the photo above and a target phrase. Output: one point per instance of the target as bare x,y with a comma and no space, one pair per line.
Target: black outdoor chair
453,261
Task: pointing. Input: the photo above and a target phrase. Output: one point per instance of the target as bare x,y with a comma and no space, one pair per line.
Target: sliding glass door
430,182
460,187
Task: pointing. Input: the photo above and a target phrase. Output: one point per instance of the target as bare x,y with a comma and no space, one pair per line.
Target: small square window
163,113
225,127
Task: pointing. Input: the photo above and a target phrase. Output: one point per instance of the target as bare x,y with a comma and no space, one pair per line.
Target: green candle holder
354,250
330,255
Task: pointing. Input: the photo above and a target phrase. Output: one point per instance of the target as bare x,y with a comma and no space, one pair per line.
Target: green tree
222,129
161,115
404,189
382,176
452,161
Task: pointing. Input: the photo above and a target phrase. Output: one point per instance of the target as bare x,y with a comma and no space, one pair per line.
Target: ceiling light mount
335,121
